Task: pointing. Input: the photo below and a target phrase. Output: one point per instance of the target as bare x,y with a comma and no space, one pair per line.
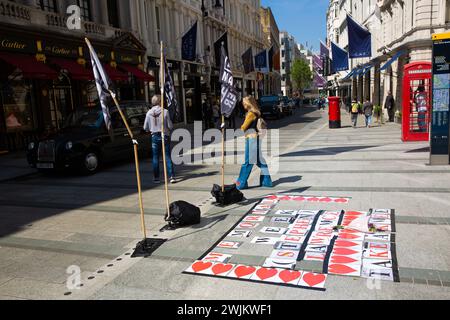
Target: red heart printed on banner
348,236
341,200
341,269
313,279
285,198
272,197
313,199
299,198
244,271
221,268
341,259
201,266
347,244
288,276
344,251
265,274
353,213
327,200
347,231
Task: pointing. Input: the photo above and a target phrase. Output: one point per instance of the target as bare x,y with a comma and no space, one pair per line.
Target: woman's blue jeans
157,152
253,155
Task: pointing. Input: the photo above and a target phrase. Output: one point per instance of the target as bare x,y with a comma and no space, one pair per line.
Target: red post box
335,112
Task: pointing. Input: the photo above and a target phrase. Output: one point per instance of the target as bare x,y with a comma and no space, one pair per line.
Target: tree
301,75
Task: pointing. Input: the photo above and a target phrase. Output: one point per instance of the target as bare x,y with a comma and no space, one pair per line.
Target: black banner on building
440,129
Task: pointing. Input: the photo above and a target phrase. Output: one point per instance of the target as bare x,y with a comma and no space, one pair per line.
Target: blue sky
304,19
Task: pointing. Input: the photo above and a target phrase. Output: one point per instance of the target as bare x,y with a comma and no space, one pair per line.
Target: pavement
54,228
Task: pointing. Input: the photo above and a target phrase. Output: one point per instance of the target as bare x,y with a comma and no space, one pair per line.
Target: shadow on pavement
326,151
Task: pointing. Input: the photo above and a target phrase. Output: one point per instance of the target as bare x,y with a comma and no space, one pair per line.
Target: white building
169,20
289,53
396,26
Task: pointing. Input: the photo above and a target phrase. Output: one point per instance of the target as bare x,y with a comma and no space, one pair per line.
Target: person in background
206,113
153,124
368,112
420,98
390,106
216,113
253,153
355,112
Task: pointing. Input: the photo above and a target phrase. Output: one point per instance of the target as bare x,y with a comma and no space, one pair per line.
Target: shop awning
349,75
30,67
392,60
76,71
141,75
115,74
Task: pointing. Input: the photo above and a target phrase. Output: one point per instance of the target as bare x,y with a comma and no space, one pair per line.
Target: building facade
401,34
45,65
195,81
272,81
289,53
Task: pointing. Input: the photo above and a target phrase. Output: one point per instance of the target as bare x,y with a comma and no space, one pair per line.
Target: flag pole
223,153
162,84
136,155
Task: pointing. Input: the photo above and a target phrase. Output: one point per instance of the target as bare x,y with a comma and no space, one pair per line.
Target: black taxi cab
85,144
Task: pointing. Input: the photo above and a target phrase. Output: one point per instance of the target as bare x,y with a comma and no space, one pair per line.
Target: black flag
229,93
103,83
169,92
189,44
218,47
247,61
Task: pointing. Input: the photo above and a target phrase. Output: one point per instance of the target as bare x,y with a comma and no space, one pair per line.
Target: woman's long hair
251,105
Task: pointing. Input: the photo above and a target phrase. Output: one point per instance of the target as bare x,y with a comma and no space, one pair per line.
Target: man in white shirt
153,124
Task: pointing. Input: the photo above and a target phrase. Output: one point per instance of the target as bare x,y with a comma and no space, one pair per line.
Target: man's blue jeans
422,120
253,155
368,120
157,152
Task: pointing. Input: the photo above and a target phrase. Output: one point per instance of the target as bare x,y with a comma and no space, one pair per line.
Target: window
17,105
85,6
47,5
447,15
158,24
113,14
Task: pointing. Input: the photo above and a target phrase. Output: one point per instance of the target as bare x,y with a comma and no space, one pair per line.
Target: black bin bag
183,214
230,196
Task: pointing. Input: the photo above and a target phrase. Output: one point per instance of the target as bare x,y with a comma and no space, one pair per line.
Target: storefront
44,79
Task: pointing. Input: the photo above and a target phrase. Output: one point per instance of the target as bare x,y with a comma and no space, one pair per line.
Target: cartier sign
17,45
57,49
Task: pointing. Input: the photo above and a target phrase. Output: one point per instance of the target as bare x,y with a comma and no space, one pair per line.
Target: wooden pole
162,84
136,160
223,154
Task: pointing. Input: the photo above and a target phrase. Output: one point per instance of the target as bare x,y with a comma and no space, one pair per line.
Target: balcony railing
27,16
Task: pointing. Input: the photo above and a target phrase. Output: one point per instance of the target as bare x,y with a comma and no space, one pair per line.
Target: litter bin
335,112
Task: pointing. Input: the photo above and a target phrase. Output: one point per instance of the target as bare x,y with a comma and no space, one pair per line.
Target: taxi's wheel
91,162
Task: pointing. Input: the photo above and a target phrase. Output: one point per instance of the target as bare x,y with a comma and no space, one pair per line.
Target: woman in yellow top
253,154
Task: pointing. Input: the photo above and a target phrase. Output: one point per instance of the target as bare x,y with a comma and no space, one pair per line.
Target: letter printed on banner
217,257
284,254
265,240
280,263
314,256
248,225
273,230
288,246
293,239
254,219
229,245
377,269
286,212
317,249
239,234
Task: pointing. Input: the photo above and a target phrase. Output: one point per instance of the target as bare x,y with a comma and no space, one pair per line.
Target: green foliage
301,75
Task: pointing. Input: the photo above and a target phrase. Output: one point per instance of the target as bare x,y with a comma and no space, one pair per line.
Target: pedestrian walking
368,112
253,151
355,112
390,106
153,124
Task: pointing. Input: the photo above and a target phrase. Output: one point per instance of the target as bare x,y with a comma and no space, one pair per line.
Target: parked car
270,106
287,106
85,144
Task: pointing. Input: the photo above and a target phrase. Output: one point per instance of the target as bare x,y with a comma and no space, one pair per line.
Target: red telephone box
416,112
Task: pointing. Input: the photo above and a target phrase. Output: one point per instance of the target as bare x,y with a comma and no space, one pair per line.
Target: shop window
47,5
17,105
113,13
85,6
